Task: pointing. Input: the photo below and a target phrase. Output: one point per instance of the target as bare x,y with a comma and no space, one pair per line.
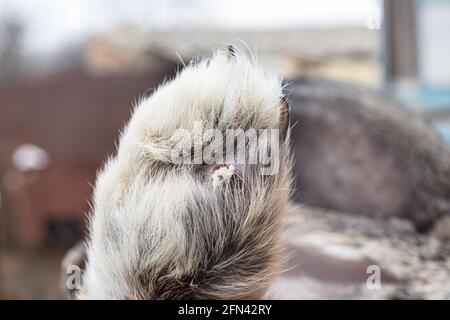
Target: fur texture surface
359,151
158,229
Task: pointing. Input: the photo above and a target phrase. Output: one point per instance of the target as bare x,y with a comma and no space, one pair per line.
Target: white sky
52,24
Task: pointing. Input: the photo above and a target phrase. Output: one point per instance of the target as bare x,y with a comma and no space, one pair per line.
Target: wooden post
400,41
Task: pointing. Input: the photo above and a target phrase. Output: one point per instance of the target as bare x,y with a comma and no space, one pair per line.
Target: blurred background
70,71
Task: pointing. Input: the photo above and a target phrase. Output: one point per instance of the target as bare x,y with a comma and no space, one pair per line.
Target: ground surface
333,255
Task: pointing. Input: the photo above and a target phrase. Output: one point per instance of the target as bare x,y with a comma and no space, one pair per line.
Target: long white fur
138,207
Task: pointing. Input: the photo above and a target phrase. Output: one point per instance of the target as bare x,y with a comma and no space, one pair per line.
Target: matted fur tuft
159,230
